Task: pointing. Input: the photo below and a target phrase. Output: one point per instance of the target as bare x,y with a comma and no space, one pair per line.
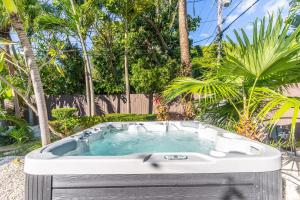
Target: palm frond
4,18
210,89
50,22
276,105
272,50
285,79
15,120
221,114
4,41
10,6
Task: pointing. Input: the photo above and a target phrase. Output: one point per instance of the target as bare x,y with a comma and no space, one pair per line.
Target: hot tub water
125,142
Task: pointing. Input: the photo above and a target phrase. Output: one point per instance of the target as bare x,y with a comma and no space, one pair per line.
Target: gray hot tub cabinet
223,186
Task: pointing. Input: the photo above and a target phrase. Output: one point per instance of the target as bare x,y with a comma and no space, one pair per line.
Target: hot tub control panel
176,157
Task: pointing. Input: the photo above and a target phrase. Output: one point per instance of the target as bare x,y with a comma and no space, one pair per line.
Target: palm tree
88,68
184,40
128,10
126,64
248,87
34,71
76,20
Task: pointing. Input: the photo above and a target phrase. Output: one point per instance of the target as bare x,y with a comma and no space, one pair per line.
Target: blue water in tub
122,142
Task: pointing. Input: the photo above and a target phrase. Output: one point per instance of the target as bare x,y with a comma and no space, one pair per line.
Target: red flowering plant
161,108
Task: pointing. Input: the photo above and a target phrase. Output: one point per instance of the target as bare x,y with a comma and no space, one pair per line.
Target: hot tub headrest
61,147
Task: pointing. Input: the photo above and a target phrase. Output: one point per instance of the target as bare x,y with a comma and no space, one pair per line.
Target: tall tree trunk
89,76
109,40
108,43
35,77
87,91
15,96
127,85
186,70
173,17
88,68
11,71
184,40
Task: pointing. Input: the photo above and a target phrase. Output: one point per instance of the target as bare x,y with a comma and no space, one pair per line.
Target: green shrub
116,117
6,140
66,126
14,121
63,113
21,135
69,126
87,122
3,129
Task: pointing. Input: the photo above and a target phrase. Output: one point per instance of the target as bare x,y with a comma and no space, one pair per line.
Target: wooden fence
140,104
105,104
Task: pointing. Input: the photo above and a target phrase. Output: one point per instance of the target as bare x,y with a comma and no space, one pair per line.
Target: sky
207,11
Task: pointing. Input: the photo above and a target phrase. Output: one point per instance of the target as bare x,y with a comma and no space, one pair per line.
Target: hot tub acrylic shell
237,168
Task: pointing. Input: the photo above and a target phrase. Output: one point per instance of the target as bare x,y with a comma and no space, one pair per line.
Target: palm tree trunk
87,92
109,40
184,40
127,85
173,17
186,70
11,71
35,77
88,69
89,77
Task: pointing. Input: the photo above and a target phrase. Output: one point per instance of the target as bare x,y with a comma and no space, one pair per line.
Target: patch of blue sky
207,11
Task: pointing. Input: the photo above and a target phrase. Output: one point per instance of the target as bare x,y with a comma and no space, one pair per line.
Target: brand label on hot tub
176,157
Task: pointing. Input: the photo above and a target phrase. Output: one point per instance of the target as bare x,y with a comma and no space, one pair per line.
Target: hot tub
154,161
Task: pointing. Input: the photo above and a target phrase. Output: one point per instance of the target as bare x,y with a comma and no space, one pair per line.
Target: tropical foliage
20,133
77,47
115,47
249,85
63,113
294,18
31,64
153,47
